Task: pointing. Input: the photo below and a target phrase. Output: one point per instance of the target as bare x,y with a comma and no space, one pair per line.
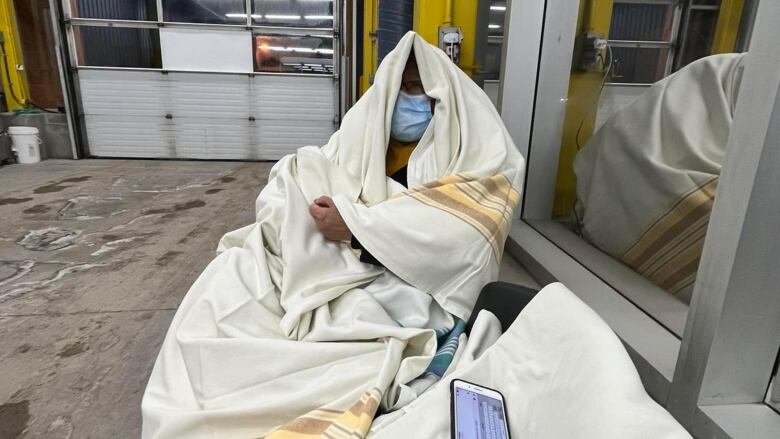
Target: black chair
503,299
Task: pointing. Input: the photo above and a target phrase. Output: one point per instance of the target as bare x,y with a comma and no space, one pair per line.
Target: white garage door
204,79
204,115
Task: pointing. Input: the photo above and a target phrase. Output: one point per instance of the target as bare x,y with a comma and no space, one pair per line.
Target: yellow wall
429,15
581,108
14,49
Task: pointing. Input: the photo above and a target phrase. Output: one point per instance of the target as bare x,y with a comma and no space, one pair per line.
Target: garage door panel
205,115
208,139
212,96
120,136
293,97
112,92
259,140
279,138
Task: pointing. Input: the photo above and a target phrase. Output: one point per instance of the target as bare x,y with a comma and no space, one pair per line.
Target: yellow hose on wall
16,96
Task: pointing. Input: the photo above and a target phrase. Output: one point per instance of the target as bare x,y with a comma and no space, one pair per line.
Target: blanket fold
563,374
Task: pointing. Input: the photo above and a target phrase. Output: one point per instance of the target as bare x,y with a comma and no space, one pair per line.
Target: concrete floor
95,256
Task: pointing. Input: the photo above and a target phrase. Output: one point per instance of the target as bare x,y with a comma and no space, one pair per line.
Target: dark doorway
40,65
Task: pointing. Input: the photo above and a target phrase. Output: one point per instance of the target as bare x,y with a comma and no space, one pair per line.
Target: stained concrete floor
95,256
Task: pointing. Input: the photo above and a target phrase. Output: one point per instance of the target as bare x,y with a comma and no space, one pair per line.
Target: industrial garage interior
612,164
97,255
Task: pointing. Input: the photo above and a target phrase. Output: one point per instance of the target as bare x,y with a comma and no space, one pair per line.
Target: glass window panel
139,10
638,22
308,13
636,176
117,47
638,65
205,11
488,46
698,41
496,16
491,50
293,54
492,67
394,20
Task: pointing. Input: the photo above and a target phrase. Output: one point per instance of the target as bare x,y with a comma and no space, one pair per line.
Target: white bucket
26,143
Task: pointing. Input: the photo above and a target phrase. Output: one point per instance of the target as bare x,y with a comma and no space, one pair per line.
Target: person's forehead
411,72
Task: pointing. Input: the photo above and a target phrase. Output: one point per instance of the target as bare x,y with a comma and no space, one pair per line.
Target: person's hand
329,220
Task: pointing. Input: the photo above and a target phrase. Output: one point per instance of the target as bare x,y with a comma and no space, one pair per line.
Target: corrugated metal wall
139,47
118,47
641,22
395,19
115,9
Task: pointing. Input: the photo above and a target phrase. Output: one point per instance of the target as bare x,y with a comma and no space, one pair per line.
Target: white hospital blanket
563,373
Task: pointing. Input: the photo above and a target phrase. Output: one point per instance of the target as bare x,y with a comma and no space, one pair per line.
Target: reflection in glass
642,22
488,46
117,47
301,13
489,40
642,41
640,187
205,11
638,65
496,18
698,38
647,179
292,54
139,10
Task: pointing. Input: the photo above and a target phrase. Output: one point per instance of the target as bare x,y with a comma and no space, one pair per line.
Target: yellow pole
17,96
447,13
428,15
727,29
370,49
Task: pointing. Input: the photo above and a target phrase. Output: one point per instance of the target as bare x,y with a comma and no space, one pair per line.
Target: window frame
673,44
64,21
70,22
676,44
714,378
690,5
93,22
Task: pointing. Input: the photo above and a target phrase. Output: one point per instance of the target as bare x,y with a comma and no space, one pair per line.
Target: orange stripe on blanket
486,204
668,252
352,423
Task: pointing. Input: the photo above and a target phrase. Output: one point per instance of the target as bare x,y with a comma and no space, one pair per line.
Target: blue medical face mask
411,117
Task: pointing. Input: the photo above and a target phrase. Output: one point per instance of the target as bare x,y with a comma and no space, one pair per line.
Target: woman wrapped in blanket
289,332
